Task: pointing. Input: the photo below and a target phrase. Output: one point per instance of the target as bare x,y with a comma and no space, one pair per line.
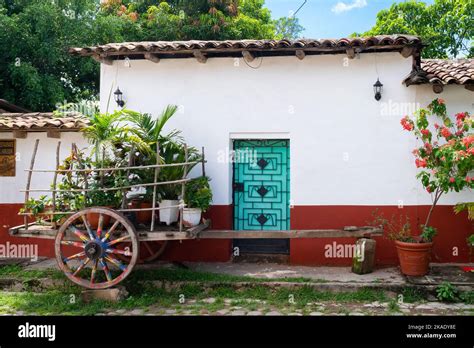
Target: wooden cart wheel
88,256
149,251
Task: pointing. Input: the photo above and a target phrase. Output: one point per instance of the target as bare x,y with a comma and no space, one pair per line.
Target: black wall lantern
118,97
378,87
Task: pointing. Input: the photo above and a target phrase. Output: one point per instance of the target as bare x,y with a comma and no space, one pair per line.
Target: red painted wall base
449,245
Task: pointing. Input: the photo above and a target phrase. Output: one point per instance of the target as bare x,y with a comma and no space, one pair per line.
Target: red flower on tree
445,157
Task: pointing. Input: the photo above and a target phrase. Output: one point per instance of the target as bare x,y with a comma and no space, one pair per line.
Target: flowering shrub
446,153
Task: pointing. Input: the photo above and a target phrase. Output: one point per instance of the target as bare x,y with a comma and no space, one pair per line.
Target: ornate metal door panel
262,192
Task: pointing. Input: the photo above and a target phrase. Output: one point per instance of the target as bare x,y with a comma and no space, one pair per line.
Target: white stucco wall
346,148
45,159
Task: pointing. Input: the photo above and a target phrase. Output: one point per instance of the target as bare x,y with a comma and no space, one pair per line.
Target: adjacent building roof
443,72
6,106
181,49
42,121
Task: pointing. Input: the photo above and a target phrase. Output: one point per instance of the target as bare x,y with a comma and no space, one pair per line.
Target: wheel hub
93,250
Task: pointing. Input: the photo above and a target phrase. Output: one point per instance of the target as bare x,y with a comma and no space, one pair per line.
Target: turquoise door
261,192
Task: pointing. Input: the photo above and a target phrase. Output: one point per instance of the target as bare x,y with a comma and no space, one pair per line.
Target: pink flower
407,123
436,125
428,189
460,116
440,101
415,152
471,151
467,141
428,148
420,163
452,180
425,132
443,158
468,179
445,132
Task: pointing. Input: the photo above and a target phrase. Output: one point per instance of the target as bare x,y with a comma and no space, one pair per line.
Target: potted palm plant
198,197
446,160
146,133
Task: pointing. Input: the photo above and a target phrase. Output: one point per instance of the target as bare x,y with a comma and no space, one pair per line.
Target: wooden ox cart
101,257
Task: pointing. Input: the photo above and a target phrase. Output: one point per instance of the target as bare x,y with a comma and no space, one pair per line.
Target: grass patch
411,295
17,271
68,301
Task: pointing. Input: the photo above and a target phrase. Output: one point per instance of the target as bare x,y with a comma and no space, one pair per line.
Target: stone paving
260,308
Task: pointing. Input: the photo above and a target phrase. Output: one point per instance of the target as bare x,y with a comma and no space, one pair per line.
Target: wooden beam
437,88
103,59
53,133
351,53
230,234
153,57
407,51
469,87
248,56
19,134
300,54
201,58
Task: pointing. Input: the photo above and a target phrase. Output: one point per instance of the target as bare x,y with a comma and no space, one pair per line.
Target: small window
7,158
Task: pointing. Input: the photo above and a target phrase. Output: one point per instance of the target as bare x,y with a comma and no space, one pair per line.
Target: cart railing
88,171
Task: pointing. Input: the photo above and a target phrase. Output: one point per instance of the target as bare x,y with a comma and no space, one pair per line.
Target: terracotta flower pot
93,219
144,217
414,257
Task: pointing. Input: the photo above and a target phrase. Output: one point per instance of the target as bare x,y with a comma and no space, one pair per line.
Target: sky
331,18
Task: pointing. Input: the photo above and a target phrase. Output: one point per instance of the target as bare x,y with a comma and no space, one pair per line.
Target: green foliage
469,206
470,240
36,207
288,28
467,297
198,193
446,26
446,292
428,234
38,73
395,228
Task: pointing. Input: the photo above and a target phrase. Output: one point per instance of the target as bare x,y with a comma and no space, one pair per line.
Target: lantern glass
118,97
378,87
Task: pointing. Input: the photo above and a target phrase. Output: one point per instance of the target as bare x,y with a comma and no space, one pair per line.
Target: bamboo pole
55,178
183,186
113,188
112,169
130,162
122,210
157,170
203,161
28,181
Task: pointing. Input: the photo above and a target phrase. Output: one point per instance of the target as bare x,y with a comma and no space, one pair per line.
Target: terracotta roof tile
42,120
443,72
394,42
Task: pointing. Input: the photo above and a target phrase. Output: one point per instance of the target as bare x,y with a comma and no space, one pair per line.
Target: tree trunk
438,194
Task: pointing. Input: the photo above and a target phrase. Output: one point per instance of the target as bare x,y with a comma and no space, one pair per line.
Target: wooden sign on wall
7,158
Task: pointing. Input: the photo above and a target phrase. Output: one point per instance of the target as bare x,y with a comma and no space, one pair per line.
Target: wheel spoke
75,256
118,240
79,234
147,246
109,232
94,270
105,269
81,266
99,228
88,227
72,243
116,262
118,251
